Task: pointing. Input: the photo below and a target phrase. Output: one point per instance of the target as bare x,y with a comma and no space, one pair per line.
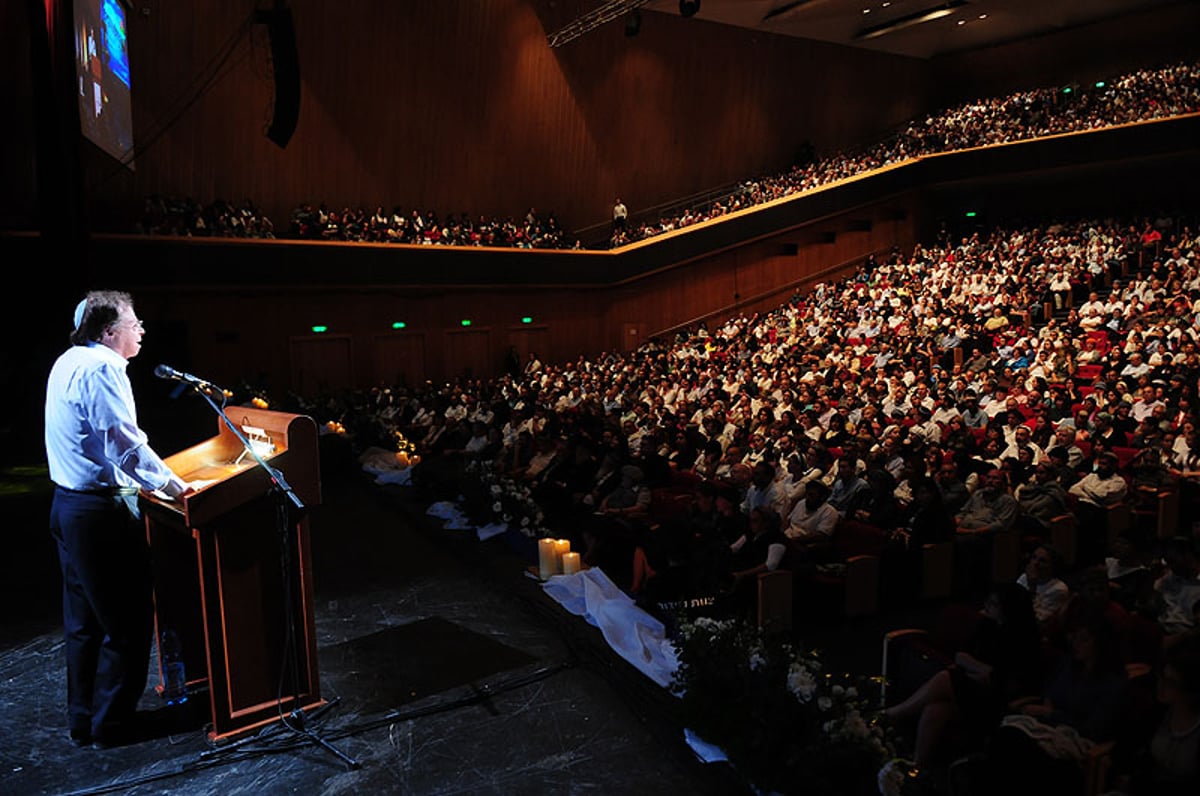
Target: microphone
168,372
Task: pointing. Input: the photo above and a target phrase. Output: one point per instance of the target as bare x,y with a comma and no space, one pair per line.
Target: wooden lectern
219,577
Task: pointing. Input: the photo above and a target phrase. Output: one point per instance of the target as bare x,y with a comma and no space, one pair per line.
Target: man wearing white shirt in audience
764,491
1143,407
457,410
481,413
1091,319
927,428
1023,438
1115,302
1065,437
813,519
1050,593
1093,304
1097,492
1137,366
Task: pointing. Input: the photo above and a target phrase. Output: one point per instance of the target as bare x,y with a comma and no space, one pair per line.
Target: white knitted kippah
79,310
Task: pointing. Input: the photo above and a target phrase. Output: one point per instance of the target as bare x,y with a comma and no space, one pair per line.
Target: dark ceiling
917,28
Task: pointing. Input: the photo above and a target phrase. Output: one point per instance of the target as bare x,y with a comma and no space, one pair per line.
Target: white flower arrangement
775,710
503,500
801,683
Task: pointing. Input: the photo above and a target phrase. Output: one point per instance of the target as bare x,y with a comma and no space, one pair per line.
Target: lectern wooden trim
220,581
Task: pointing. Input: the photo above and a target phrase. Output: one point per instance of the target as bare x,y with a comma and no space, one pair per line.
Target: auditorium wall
17,136
462,106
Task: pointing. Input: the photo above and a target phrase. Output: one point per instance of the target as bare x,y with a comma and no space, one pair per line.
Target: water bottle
174,675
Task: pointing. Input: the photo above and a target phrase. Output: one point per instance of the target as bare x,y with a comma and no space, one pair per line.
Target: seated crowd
532,231
188,218
919,377
973,388
1138,96
875,392
1081,693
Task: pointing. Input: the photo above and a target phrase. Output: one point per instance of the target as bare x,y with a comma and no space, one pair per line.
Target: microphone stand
288,504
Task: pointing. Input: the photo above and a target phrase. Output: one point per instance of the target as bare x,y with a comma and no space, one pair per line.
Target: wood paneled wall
462,106
762,275
263,335
18,200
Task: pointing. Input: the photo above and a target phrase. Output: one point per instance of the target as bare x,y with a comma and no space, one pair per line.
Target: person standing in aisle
620,216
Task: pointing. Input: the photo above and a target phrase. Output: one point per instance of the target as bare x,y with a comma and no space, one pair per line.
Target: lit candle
561,548
570,563
547,558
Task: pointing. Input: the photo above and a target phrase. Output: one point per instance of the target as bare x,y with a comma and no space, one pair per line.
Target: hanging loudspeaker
285,67
633,22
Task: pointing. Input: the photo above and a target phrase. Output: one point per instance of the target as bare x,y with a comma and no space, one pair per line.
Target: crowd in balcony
1139,96
186,217
222,219
534,230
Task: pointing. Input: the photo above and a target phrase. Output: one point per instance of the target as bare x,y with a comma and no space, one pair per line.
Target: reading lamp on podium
288,505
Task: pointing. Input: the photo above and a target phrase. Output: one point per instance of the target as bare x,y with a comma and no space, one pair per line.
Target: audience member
1000,662
1040,578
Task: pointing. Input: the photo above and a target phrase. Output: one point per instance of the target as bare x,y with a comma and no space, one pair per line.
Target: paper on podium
195,485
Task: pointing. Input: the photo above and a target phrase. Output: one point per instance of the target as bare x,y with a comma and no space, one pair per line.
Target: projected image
115,50
102,71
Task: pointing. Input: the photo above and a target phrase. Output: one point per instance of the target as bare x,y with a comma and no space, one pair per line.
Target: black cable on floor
216,758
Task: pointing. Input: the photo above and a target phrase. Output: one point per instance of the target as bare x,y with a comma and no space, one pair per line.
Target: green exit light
1099,84
1067,90
971,214
527,319
465,321
320,329
399,325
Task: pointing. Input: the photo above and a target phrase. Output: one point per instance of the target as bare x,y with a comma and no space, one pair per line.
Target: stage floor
447,671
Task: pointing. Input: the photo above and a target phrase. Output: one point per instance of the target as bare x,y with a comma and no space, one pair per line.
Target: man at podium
98,459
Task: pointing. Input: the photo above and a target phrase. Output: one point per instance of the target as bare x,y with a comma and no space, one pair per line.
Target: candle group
555,558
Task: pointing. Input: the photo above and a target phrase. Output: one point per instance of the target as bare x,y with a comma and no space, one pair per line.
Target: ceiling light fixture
602,15
918,18
780,12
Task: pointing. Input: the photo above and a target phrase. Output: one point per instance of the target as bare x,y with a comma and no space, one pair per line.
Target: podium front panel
255,607
233,574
